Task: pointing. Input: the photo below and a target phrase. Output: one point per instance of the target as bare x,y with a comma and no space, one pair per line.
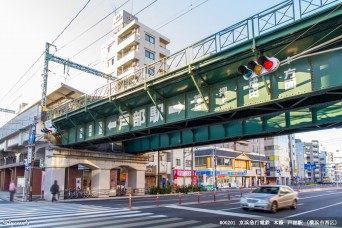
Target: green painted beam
327,115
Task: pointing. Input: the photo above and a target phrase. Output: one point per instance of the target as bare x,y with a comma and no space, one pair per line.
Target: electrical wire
145,7
91,27
181,15
169,18
35,62
307,30
71,21
98,39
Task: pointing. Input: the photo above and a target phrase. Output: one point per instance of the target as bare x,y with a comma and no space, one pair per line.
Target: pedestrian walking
12,189
54,190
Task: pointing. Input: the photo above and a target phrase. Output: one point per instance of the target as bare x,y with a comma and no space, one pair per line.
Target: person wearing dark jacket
54,190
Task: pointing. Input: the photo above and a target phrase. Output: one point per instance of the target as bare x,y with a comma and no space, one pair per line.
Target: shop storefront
183,177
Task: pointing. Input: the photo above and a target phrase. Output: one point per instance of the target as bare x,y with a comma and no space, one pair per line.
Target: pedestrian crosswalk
78,215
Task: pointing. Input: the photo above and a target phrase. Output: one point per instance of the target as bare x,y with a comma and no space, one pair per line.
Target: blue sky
26,25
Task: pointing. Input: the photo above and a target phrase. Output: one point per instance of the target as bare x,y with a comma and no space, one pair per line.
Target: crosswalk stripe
176,224
138,224
56,211
71,215
118,219
210,225
81,222
52,215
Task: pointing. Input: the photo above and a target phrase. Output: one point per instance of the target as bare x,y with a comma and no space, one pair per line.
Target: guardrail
283,13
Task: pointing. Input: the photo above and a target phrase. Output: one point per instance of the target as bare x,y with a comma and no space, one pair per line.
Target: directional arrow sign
176,108
111,125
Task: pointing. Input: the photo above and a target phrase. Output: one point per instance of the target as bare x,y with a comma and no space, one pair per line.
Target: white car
270,198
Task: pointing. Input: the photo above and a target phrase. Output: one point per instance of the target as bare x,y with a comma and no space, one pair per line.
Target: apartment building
132,46
280,154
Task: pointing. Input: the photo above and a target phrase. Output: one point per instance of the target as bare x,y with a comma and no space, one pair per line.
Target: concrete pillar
52,174
136,180
100,182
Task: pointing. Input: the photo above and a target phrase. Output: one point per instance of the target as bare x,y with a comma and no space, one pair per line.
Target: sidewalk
5,195
37,198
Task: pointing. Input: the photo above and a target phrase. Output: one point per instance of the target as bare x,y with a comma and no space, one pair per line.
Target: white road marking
231,209
319,195
317,209
219,212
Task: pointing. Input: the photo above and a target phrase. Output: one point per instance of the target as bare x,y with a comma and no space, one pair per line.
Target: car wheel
245,208
274,207
294,204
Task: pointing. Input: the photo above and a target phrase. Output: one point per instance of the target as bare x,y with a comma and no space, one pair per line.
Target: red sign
183,173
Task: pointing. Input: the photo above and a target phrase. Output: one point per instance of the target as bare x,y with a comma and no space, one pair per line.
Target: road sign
31,139
29,154
278,170
27,168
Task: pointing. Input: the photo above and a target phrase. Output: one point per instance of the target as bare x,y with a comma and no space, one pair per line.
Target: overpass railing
281,14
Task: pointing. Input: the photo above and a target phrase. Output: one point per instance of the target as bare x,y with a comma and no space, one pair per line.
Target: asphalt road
321,208
313,207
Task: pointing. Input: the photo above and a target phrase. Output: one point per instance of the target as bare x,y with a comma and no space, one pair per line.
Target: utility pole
183,168
192,166
31,157
259,162
214,168
158,179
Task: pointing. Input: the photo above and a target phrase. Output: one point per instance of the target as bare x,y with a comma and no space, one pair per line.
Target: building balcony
133,38
127,57
127,29
127,71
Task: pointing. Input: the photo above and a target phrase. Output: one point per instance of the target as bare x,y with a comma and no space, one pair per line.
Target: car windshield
267,190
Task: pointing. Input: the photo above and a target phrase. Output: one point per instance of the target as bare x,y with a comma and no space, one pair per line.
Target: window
219,161
151,158
150,71
200,161
178,162
150,38
228,162
255,164
149,54
240,164
110,62
188,163
223,161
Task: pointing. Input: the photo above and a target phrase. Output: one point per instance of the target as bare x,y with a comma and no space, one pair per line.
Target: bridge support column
136,180
52,174
100,182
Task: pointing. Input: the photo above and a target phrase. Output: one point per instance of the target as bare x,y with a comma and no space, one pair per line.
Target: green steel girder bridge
196,96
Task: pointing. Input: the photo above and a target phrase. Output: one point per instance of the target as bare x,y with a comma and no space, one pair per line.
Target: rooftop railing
282,14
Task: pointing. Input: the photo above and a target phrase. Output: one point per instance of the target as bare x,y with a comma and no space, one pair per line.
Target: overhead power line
71,22
91,27
192,8
40,56
98,39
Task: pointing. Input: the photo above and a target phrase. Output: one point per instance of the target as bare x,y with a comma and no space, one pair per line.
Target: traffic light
41,163
269,64
262,66
246,73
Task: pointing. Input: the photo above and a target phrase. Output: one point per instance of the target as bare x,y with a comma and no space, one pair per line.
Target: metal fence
259,24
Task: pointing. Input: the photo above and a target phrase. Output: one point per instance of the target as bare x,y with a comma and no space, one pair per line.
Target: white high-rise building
277,152
300,160
132,46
